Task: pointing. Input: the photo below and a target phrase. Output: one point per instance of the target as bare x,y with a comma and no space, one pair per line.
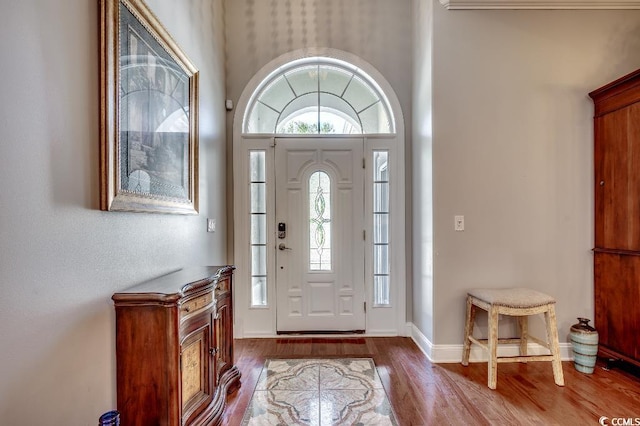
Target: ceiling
541,4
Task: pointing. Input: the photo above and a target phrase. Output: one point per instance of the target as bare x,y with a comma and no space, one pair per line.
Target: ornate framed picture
148,115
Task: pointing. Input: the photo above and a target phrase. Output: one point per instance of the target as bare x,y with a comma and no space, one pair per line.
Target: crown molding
540,4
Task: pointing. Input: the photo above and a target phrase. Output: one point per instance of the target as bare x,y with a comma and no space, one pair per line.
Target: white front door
319,244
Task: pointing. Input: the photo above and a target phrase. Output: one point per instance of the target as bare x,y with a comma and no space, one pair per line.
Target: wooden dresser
617,218
174,348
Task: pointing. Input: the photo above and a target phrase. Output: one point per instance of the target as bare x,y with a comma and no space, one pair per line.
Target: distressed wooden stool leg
493,348
523,322
468,331
552,336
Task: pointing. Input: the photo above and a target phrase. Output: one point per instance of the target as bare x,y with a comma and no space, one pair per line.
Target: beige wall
378,31
61,258
512,152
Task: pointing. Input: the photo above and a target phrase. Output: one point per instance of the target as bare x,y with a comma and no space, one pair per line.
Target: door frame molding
261,321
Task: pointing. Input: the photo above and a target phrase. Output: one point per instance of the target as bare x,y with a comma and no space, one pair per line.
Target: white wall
61,258
512,152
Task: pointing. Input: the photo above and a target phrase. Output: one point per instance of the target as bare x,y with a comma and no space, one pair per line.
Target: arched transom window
319,96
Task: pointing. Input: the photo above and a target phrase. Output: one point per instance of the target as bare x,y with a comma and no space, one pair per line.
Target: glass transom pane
375,119
304,80
345,100
359,94
300,116
278,94
334,80
262,119
338,115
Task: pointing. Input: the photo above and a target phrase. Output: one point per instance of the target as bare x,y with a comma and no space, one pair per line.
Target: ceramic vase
110,418
584,340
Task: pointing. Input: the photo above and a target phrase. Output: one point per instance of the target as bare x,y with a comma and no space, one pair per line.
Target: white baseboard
408,329
421,340
453,353
270,335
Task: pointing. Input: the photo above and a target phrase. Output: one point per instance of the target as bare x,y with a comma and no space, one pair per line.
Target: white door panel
320,262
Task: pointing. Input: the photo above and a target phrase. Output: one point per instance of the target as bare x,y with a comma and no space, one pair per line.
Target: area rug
319,392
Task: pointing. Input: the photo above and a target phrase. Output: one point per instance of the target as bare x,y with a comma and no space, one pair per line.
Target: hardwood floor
423,393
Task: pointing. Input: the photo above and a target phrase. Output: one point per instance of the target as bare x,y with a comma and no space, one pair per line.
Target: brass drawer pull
196,304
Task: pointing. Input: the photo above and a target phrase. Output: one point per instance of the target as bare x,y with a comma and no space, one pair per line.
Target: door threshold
319,332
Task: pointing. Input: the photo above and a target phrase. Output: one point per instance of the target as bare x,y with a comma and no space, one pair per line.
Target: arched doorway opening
319,237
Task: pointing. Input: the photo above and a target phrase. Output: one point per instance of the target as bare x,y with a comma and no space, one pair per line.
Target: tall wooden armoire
617,218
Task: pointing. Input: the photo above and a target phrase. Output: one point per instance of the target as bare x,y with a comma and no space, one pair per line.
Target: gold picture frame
148,114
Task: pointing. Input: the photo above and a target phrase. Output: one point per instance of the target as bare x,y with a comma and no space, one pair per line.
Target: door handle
281,246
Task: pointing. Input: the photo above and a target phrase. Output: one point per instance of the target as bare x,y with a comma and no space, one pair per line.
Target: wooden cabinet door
224,360
617,179
617,291
224,328
196,355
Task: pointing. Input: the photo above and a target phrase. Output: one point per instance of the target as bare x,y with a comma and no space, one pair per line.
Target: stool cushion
512,297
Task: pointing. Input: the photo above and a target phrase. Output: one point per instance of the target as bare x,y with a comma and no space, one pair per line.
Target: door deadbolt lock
282,230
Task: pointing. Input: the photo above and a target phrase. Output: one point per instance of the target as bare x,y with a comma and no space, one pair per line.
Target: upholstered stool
518,302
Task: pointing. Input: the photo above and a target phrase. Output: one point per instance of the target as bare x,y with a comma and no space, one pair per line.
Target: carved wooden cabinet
174,348
617,217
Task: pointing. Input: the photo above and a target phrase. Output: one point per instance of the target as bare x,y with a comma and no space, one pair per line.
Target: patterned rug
319,392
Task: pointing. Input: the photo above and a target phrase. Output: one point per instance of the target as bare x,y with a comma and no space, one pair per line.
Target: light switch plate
211,225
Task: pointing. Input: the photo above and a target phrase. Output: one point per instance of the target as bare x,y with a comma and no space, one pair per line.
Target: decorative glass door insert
320,222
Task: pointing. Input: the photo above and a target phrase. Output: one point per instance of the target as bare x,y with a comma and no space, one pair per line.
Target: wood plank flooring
423,393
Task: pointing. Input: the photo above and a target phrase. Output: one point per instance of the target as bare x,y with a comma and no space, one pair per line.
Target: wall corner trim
423,342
